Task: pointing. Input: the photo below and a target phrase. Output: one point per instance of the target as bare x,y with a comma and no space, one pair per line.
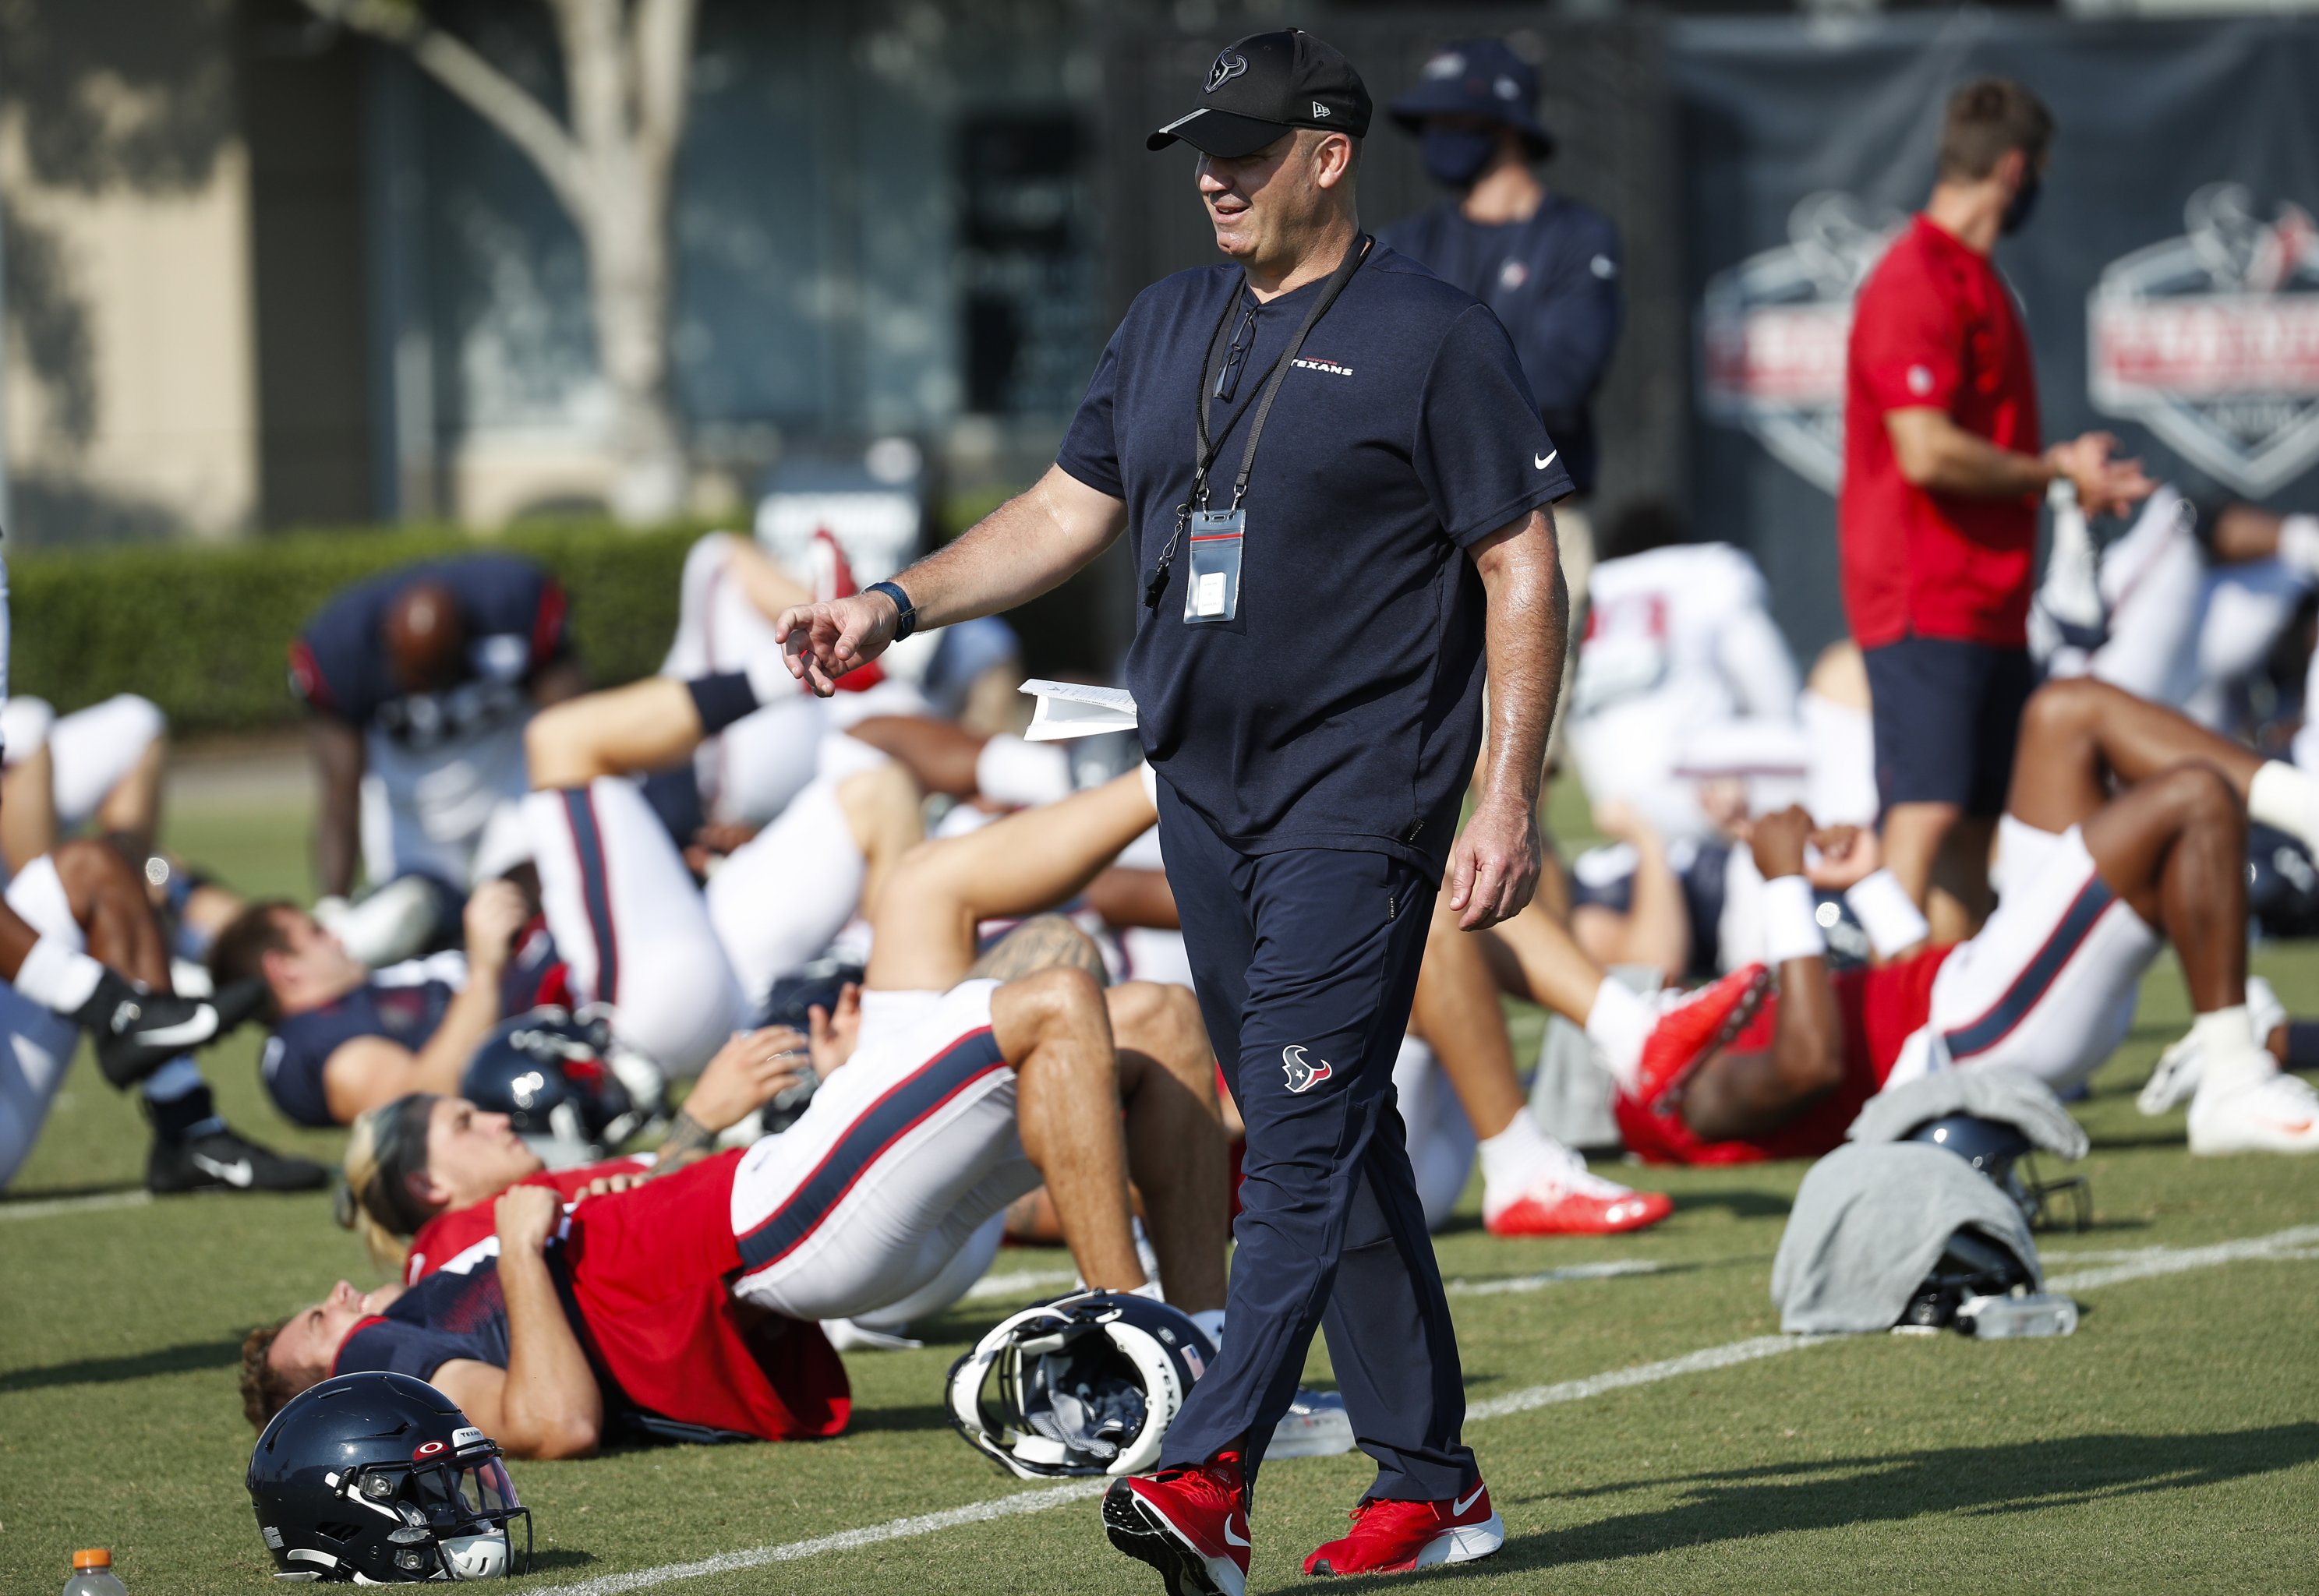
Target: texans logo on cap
1227,68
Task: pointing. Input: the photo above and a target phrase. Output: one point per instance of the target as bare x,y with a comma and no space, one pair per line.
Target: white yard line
95,1202
2284,1244
1608,1270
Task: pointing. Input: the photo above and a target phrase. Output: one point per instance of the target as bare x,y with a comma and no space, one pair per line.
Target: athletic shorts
2049,983
1947,716
901,1157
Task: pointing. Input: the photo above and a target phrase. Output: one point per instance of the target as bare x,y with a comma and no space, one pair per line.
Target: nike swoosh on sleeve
1543,461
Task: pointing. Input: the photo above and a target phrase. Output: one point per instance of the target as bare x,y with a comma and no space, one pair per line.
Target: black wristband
906,621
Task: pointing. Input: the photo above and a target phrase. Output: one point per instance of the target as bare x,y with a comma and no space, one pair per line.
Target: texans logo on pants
1301,1075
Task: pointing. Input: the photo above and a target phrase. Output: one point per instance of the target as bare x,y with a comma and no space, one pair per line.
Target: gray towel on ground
1870,1222
2014,1096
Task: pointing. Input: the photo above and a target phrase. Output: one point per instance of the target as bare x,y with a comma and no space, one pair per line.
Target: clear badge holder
1213,593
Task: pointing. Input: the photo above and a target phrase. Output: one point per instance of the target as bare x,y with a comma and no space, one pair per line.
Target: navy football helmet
1086,1385
379,1479
570,1092
2001,1152
1971,1265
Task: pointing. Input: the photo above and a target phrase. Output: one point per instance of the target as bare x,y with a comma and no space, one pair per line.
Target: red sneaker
1191,1524
1395,1537
1692,1025
1579,1204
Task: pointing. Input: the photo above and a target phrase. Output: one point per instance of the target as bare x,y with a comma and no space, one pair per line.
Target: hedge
203,629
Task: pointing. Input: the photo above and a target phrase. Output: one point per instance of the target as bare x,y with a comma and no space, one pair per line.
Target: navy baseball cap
1265,84
1478,77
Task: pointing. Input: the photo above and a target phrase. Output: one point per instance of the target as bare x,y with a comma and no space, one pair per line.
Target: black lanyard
1204,449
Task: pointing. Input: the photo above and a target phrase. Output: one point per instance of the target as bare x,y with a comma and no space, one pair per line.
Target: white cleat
2273,1112
2179,1067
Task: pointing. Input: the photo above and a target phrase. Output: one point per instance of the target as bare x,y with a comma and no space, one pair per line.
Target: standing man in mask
1549,265
1937,519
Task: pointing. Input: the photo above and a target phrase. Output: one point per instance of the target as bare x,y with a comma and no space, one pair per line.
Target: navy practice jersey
1340,708
1554,281
513,613
402,1003
443,1318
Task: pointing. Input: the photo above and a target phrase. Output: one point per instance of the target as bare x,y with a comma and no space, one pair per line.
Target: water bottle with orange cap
93,1576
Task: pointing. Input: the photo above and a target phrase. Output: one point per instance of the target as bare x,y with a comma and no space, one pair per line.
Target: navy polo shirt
1554,281
1342,707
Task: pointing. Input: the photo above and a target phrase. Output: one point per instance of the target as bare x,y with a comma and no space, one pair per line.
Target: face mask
2024,200
1454,157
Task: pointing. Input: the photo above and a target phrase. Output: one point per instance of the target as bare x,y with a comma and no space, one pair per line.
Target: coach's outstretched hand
822,642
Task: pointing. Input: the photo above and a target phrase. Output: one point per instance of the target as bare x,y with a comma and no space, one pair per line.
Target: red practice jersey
450,1234
1878,1008
647,1271
1935,328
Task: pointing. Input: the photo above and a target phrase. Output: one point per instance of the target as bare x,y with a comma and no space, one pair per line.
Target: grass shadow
1739,1201
181,1358
915,1417
2022,1477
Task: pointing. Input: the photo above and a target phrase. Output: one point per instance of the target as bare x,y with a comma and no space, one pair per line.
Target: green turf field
2174,1442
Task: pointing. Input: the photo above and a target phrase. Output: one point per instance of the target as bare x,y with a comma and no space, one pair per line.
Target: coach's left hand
1493,869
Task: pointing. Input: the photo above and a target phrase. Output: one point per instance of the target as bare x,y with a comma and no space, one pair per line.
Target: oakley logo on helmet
430,1449
1302,1077
1226,68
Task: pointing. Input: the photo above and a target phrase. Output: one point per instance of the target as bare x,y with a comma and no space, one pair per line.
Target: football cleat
1191,1524
2272,1112
2178,1070
1395,1537
224,1160
1316,1425
137,1030
1692,1025
1576,1202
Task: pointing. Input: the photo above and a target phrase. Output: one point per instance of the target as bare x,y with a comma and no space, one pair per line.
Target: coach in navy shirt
1334,484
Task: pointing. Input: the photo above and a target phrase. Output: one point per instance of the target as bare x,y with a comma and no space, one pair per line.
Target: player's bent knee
1055,1002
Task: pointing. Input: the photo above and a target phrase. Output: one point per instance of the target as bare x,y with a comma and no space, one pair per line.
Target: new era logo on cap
1263,85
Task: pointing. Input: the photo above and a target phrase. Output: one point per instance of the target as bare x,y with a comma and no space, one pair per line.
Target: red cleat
1395,1537
1191,1524
1693,1026
1584,1205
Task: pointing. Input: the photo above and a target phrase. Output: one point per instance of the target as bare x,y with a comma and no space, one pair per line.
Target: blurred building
262,273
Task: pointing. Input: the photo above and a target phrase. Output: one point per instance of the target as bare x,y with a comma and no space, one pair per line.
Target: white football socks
2282,796
1009,771
2230,1054
58,977
1619,1024
1515,1158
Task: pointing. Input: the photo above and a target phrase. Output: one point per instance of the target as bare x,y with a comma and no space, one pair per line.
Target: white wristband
1888,914
1791,925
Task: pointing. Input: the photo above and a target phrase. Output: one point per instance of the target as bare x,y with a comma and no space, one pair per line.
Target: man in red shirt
1937,519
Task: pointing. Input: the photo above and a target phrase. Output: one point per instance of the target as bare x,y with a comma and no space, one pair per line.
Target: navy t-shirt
514,615
1342,707
1554,281
443,1317
402,1003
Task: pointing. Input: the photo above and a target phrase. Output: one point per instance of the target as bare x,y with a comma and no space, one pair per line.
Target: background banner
2169,277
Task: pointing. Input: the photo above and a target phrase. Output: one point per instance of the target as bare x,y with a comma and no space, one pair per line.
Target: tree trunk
630,278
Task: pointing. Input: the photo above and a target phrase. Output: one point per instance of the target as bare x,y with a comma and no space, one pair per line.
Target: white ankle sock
2230,1054
1009,771
1619,1024
2286,797
2298,543
1211,1321
58,977
1515,1158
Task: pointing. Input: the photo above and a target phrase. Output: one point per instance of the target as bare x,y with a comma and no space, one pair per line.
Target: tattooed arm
1041,942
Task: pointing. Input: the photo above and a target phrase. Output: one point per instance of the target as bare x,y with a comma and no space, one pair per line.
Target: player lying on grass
914,1140
2125,828
675,969
76,920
